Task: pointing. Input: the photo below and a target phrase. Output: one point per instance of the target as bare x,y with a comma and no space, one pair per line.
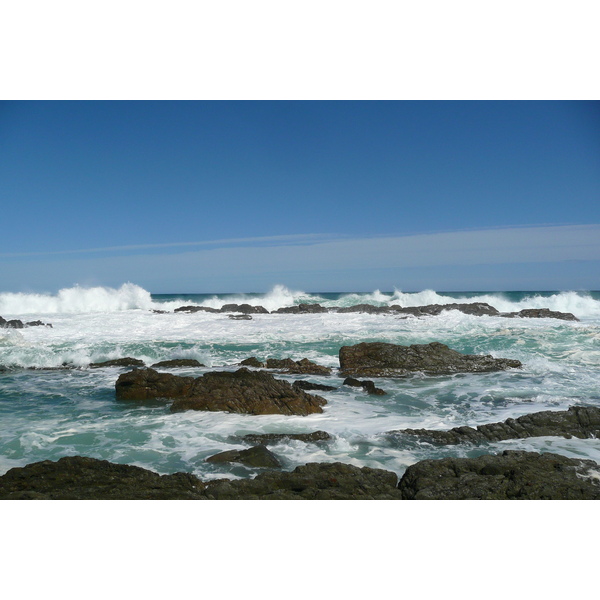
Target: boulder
368,386
578,421
193,309
541,313
12,324
118,362
257,456
82,478
512,475
252,362
379,359
245,391
241,317
148,384
301,309
364,308
300,367
178,362
275,438
37,324
244,308
308,385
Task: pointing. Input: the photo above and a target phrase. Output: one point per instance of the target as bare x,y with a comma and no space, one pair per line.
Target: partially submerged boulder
379,359
244,308
301,309
257,456
275,438
252,362
148,384
578,421
297,367
512,475
541,313
193,309
118,362
12,324
178,362
367,385
309,385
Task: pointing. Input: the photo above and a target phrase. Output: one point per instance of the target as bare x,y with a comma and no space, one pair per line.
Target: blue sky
208,196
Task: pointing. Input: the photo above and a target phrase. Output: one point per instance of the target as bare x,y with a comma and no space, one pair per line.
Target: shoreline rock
257,456
178,362
274,438
118,362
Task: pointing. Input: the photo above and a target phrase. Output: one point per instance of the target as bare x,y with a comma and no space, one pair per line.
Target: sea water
47,411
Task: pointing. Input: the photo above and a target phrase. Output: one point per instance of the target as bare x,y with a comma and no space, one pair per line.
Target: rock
307,385
275,438
368,386
257,456
12,324
148,384
541,313
379,359
37,324
579,421
241,317
244,308
364,308
178,362
512,475
252,362
118,362
301,309
193,309
82,478
313,481
160,312
300,367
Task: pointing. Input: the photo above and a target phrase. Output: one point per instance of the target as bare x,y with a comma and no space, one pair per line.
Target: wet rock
82,478
368,386
308,385
364,308
313,481
148,384
37,324
243,391
178,362
257,456
241,317
118,362
252,362
193,309
541,313
512,475
578,421
12,324
379,359
244,308
300,367
301,309
160,312
274,438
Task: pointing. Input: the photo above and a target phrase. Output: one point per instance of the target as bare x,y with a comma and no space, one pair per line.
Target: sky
238,196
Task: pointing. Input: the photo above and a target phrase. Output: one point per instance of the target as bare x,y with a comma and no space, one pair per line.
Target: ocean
47,412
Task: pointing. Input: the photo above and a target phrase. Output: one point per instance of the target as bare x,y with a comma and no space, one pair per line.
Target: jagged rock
241,317
12,324
300,367
148,384
541,313
301,309
578,421
245,391
307,385
178,362
118,362
38,324
244,308
368,386
313,481
193,309
379,359
257,456
160,312
82,478
364,308
252,362
275,438
512,475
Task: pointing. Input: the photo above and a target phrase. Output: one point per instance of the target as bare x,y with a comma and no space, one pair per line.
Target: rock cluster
257,456
275,438
287,365
379,359
18,324
367,385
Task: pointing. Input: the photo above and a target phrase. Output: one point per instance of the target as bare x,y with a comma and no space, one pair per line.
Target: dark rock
244,308
300,367
541,313
118,362
512,475
178,362
193,309
257,456
275,438
579,421
82,478
368,386
307,385
37,324
241,317
244,391
364,308
252,362
301,309
378,359
314,481
12,324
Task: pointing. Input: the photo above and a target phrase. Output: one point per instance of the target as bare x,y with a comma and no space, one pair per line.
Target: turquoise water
47,412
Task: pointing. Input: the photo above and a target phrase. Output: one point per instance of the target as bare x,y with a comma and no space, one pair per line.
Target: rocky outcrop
252,362
37,324
300,309
257,456
368,386
118,362
244,308
541,313
245,391
512,475
297,367
308,385
177,362
12,324
579,421
379,359
275,438
240,317
148,384
193,309
82,478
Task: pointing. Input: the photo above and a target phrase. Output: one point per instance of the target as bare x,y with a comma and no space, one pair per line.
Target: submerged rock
257,456
241,317
37,324
193,309
178,362
512,475
244,308
578,421
12,324
118,362
379,359
275,438
308,385
368,386
297,367
301,309
541,313
82,478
